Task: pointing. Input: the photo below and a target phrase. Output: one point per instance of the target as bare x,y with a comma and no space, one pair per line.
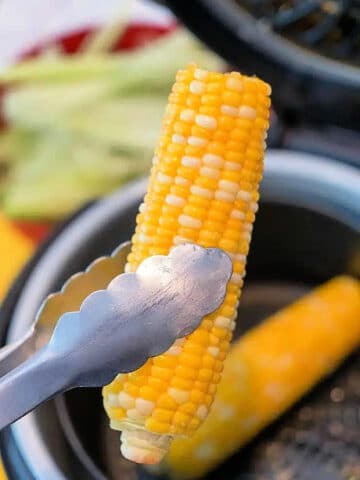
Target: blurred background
83,86
64,141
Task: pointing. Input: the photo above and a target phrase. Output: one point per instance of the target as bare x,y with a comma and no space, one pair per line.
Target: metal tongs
104,322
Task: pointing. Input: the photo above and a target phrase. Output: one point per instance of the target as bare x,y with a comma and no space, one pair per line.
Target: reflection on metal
109,324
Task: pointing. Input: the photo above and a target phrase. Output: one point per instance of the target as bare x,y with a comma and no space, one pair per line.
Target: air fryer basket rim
320,178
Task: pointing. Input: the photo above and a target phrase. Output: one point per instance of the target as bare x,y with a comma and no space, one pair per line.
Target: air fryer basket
319,438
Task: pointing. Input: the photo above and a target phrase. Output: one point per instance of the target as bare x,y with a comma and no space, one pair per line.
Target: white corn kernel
180,396
237,214
143,208
178,138
212,160
222,322
206,121
133,414
234,84
247,112
197,141
200,74
253,206
164,178
240,257
224,196
202,192
229,110
228,186
210,172
202,412
248,227
197,87
144,407
174,351
181,181
187,115
144,238
244,195
214,351
175,201
191,162
236,279
113,400
125,400
189,222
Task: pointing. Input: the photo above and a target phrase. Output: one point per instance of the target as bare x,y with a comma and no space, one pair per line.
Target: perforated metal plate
318,440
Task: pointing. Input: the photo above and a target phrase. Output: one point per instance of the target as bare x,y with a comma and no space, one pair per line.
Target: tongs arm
28,385
12,355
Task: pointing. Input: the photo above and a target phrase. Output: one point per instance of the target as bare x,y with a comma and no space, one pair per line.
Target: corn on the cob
203,189
15,249
269,369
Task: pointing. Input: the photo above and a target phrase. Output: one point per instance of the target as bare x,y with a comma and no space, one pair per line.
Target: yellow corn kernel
167,402
196,190
268,369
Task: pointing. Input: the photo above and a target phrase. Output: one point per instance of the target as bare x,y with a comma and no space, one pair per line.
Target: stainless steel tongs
104,322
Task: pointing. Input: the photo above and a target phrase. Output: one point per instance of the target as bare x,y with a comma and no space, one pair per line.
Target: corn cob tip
141,446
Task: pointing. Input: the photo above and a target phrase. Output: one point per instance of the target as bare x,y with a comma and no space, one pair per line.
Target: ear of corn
269,369
203,189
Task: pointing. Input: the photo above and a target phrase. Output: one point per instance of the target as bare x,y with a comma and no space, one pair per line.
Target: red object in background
140,34
36,231
135,35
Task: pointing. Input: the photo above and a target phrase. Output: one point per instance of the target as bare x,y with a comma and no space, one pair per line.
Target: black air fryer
307,230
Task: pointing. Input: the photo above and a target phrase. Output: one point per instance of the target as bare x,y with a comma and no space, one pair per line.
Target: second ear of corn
270,368
203,189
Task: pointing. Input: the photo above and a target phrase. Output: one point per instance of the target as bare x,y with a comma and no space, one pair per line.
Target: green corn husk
81,126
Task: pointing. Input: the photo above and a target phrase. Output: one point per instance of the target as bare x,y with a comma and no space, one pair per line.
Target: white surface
26,23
